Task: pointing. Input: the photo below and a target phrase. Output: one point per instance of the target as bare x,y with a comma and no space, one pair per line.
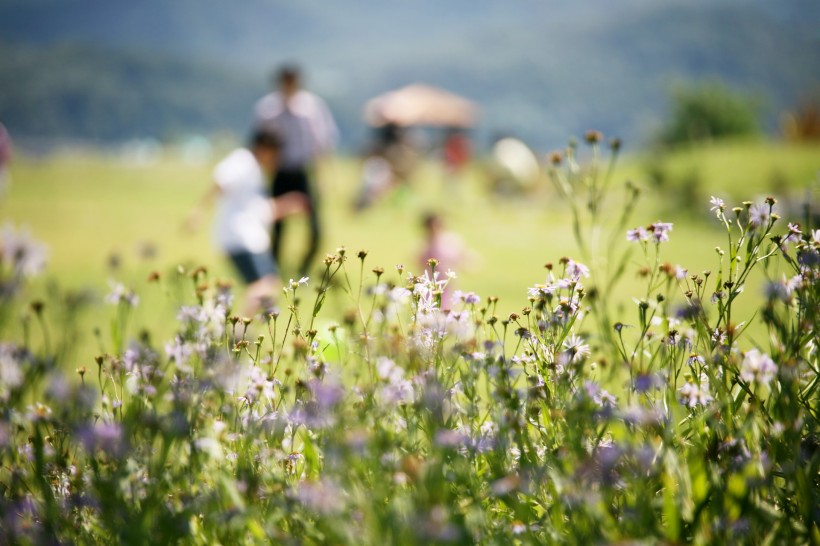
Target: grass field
95,210
601,413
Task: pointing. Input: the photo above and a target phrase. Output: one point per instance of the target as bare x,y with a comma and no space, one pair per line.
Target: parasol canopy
420,104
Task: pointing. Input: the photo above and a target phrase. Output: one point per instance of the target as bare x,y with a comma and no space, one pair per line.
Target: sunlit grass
93,210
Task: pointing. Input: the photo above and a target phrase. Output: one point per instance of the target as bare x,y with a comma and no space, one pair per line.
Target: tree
709,111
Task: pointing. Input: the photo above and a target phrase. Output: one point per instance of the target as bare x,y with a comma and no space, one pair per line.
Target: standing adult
309,131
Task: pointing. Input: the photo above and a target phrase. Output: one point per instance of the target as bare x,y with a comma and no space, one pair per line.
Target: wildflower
387,370
398,392
323,496
593,137
120,294
696,359
598,395
692,394
576,270
636,235
782,289
293,285
718,206
794,234
260,386
660,231
20,253
758,215
643,416
719,337
39,412
107,437
757,368
470,298
451,438
575,348
648,381
11,373
505,485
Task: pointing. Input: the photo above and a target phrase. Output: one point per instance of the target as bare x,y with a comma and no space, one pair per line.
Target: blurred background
118,112
97,72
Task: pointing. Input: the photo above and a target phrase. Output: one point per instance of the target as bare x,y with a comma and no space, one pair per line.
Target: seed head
593,137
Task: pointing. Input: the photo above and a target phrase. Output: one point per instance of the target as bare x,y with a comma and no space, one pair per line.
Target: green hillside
96,70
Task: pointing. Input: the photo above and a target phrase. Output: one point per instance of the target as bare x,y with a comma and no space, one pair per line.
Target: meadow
107,219
609,396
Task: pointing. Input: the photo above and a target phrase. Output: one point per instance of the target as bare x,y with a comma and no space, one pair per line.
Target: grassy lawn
93,210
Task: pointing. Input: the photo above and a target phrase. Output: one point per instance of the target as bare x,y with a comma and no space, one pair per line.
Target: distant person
446,247
245,214
5,158
308,130
390,161
456,151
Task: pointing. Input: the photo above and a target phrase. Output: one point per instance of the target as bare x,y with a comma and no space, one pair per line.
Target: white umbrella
420,104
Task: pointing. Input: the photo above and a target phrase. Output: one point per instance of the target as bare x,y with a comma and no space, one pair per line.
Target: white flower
293,285
692,395
757,368
21,253
575,348
120,294
758,215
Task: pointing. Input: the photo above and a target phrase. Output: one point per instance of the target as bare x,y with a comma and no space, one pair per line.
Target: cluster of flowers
419,420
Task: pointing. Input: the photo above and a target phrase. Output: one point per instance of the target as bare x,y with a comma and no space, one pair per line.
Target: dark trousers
285,181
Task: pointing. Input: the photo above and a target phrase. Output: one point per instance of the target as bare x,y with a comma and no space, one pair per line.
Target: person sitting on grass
245,214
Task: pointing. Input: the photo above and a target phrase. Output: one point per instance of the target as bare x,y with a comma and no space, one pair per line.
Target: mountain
541,69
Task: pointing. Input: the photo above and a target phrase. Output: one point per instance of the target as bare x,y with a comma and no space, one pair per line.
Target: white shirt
244,213
305,124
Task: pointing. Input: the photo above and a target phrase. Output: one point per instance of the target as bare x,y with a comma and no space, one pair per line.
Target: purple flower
107,437
718,206
576,270
660,231
636,235
794,234
758,215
